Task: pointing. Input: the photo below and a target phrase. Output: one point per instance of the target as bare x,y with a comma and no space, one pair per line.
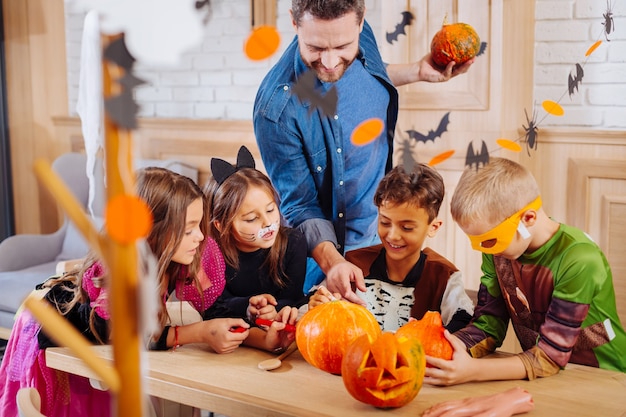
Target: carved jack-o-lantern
385,372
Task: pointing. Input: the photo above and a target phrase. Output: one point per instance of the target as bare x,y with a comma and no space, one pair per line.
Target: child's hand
218,334
263,306
277,337
450,372
322,296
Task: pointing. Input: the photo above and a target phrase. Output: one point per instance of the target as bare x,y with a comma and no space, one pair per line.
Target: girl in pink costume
187,265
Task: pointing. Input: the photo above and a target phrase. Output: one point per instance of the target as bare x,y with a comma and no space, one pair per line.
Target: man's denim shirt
301,148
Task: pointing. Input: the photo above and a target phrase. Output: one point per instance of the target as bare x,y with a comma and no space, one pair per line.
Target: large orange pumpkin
324,332
456,42
386,372
429,331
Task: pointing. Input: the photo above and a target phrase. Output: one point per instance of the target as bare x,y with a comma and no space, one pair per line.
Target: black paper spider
609,24
531,132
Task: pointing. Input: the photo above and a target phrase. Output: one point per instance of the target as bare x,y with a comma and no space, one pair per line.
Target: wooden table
233,385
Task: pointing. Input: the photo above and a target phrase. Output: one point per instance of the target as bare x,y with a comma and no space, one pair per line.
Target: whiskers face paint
248,237
267,230
263,232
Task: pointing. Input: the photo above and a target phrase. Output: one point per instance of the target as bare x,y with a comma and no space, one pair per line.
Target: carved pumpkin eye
384,372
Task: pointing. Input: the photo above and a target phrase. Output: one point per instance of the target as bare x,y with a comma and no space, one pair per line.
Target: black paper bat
432,134
481,50
305,90
117,52
122,108
573,82
473,158
407,18
202,4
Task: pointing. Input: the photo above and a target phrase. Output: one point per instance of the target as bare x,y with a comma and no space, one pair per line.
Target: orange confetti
593,48
367,131
128,218
509,144
553,108
262,43
440,158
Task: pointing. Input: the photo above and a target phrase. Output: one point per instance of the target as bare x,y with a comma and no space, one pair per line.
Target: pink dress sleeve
212,279
96,292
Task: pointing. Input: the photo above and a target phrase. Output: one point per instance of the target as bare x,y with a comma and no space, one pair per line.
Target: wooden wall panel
613,242
36,90
597,204
192,141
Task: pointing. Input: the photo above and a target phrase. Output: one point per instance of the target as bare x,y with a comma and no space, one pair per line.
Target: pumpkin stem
445,20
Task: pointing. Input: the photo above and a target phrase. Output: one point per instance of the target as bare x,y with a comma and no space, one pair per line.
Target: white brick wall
564,31
216,81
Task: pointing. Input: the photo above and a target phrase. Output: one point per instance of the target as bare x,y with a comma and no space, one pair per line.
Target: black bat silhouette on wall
573,82
407,18
473,158
481,50
432,134
305,90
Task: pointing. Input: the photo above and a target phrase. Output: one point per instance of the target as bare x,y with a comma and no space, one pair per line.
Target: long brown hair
223,202
168,195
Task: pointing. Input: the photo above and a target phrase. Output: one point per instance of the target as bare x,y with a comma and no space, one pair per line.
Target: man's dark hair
327,9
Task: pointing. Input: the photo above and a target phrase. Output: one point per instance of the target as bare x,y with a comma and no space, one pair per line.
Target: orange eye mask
500,237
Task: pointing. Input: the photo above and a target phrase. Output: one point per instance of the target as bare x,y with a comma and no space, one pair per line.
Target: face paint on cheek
271,228
248,237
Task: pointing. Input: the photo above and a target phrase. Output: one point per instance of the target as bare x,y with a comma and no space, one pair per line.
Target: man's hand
343,278
425,70
429,72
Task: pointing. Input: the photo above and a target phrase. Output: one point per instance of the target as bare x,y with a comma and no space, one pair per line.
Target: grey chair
28,259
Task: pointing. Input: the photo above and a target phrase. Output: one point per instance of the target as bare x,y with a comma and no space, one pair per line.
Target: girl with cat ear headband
265,261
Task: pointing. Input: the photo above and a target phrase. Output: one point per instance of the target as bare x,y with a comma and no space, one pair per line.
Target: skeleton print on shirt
390,303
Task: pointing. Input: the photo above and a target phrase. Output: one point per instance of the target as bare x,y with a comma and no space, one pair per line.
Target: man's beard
324,76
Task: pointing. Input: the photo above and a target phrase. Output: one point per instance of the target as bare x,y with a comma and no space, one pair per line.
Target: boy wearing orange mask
550,279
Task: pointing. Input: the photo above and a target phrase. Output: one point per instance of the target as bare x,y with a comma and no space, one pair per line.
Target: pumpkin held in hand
324,332
386,372
429,331
456,42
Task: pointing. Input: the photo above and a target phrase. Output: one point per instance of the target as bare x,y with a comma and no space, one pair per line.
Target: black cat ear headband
222,169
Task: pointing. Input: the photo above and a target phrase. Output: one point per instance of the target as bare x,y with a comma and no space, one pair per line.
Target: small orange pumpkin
324,332
456,42
429,331
386,372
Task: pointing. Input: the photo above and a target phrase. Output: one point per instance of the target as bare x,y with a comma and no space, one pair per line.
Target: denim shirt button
336,117
340,182
286,87
319,168
340,215
338,150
